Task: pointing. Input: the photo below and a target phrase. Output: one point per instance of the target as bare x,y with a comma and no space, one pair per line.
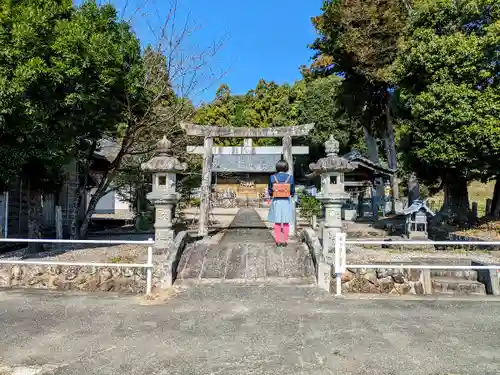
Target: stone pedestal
164,233
333,222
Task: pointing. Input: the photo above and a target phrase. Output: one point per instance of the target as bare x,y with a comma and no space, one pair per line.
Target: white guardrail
341,259
149,265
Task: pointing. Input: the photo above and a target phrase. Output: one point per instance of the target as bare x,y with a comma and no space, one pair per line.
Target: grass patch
485,230
122,259
478,192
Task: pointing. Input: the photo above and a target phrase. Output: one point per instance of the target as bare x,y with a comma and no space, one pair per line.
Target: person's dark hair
282,166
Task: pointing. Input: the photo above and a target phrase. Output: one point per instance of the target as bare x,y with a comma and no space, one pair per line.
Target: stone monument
333,196
164,196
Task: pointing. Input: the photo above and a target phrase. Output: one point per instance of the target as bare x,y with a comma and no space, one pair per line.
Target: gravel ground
236,330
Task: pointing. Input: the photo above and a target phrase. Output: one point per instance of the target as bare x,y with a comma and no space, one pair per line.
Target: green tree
449,75
100,60
268,105
156,100
63,75
358,39
319,106
272,105
33,146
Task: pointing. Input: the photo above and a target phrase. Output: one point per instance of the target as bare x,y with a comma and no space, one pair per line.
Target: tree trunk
390,148
372,149
84,225
34,220
98,194
371,144
81,227
413,189
58,213
75,212
495,203
456,199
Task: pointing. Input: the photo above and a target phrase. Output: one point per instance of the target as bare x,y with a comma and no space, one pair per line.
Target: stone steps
457,286
246,254
412,281
282,281
457,274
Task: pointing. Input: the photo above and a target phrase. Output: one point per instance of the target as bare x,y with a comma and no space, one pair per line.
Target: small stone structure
416,219
164,196
333,196
241,159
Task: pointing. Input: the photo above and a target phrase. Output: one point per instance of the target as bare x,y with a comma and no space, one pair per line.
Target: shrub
309,206
195,202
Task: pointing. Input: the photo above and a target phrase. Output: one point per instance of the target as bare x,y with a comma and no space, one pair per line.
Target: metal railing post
149,280
340,259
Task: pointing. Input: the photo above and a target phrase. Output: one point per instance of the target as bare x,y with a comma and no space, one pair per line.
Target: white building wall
110,204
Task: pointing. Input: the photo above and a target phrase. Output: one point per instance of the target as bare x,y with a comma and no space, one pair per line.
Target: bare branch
175,71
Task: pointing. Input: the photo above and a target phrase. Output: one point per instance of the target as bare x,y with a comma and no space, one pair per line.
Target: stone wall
84,278
92,278
382,281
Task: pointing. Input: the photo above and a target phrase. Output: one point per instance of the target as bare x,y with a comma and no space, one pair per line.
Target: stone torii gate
208,150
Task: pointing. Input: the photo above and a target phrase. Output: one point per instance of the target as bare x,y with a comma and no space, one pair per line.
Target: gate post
206,182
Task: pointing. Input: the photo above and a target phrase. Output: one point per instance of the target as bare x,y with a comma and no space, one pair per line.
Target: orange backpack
281,189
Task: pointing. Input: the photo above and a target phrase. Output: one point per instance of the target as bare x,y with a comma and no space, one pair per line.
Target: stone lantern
164,196
333,196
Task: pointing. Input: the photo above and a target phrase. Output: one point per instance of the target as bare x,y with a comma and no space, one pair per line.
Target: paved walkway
247,253
238,330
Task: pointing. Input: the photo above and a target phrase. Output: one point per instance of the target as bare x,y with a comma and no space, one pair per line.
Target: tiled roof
416,206
356,156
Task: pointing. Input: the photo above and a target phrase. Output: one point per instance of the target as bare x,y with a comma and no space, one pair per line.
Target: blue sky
261,38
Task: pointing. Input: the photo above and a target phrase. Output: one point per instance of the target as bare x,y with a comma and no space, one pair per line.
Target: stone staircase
456,282
246,263
247,254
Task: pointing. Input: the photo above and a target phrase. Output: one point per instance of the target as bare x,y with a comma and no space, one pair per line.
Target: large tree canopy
449,76
63,74
68,76
358,40
29,81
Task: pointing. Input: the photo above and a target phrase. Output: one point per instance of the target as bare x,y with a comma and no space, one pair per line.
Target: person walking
282,190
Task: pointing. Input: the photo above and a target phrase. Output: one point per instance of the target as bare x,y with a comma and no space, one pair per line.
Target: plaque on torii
208,150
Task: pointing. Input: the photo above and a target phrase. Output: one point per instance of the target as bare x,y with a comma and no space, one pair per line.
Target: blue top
281,177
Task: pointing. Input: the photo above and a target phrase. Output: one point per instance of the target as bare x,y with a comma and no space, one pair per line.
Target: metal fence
340,256
148,265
